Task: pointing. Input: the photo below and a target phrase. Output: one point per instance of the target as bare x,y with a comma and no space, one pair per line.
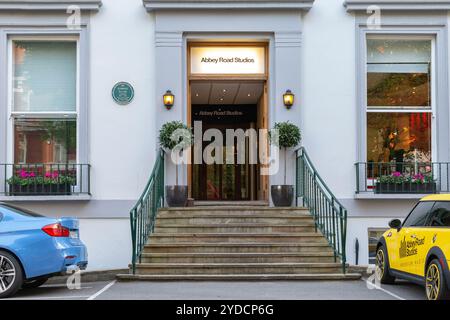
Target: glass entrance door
224,181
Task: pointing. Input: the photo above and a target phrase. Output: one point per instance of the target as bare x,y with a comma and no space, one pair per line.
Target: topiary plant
175,134
285,135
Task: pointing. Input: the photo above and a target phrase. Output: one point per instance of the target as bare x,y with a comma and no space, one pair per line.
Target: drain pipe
356,251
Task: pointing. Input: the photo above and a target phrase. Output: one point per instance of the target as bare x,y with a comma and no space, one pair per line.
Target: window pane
44,75
418,216
440,216
398,137
45,141
398,73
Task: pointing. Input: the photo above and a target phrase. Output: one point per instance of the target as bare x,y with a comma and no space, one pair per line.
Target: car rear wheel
435,285
34,283
11,275
382,267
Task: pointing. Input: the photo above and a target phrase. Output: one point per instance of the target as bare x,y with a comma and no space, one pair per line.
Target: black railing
38,179
330,216
402,177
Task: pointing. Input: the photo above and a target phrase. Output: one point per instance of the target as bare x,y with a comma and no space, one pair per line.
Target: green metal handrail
143,214
330,216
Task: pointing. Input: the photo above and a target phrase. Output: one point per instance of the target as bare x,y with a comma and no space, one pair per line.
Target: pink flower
396,174
55,174
48,175
23,174
32,175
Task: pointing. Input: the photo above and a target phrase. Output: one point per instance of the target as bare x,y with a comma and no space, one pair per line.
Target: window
399,99
440,215
419,214
44,100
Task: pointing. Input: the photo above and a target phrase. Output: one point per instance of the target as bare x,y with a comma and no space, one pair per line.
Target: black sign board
224,113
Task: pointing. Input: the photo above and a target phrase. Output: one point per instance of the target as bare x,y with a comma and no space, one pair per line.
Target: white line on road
382,289
49,298
95,295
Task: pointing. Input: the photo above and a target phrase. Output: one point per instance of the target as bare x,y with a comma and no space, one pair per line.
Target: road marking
95,295
382,289
48,298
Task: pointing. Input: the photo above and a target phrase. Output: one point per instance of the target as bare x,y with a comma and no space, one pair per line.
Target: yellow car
419,248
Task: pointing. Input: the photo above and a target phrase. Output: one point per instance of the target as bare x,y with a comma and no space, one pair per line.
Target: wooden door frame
226,77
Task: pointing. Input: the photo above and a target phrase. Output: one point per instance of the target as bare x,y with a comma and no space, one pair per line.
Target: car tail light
56,230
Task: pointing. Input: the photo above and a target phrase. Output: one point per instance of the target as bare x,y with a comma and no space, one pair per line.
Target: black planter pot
176,196
282,195
420,188
40,190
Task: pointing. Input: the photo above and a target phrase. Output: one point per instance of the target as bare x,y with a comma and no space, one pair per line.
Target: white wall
357,228
328,100
108,242
122,149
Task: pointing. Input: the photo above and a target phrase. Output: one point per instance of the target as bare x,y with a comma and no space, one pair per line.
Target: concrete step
257,203
241,210
234,228
237,237
202,219
237,268
240,277
243,247
317,257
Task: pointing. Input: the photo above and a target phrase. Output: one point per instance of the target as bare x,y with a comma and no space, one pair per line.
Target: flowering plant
400,178
23,177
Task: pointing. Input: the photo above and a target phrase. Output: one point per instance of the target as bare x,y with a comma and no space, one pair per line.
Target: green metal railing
143,214
330,216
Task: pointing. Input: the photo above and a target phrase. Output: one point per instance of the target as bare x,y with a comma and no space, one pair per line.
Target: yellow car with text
418,249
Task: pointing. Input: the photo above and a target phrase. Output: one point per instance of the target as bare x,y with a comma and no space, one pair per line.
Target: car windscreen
21,211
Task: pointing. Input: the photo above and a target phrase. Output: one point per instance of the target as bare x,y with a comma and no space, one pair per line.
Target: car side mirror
395,224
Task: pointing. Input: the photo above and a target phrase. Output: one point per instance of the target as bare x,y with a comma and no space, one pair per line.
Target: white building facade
370,79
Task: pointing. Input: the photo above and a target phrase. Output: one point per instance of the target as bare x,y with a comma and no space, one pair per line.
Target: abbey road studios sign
123,93
228,60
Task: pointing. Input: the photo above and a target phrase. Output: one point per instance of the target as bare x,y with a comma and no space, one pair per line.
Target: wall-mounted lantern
288,99
168,99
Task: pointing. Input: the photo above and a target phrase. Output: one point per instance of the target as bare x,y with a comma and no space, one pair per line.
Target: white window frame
402,109
12,115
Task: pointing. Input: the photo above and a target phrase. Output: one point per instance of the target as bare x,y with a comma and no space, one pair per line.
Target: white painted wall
108,242
357,228
123,139
328,99
122,150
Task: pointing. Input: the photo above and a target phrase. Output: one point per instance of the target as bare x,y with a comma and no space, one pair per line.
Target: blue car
34,248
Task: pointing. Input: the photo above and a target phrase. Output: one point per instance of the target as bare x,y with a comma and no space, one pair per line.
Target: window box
394,188
44,180
40,190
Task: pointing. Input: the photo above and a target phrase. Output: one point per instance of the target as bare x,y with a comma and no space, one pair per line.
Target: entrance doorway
222,106
227,90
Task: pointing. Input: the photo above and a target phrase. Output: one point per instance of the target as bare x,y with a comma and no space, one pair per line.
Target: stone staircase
236,243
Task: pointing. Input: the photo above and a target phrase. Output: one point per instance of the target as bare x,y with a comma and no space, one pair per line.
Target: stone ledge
80,197
153,5
398,5
393,196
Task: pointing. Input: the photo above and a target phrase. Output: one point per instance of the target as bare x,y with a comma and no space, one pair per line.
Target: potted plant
405,183
27,183
284,135
176,137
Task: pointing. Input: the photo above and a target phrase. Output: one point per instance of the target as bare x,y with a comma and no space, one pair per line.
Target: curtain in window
44,76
